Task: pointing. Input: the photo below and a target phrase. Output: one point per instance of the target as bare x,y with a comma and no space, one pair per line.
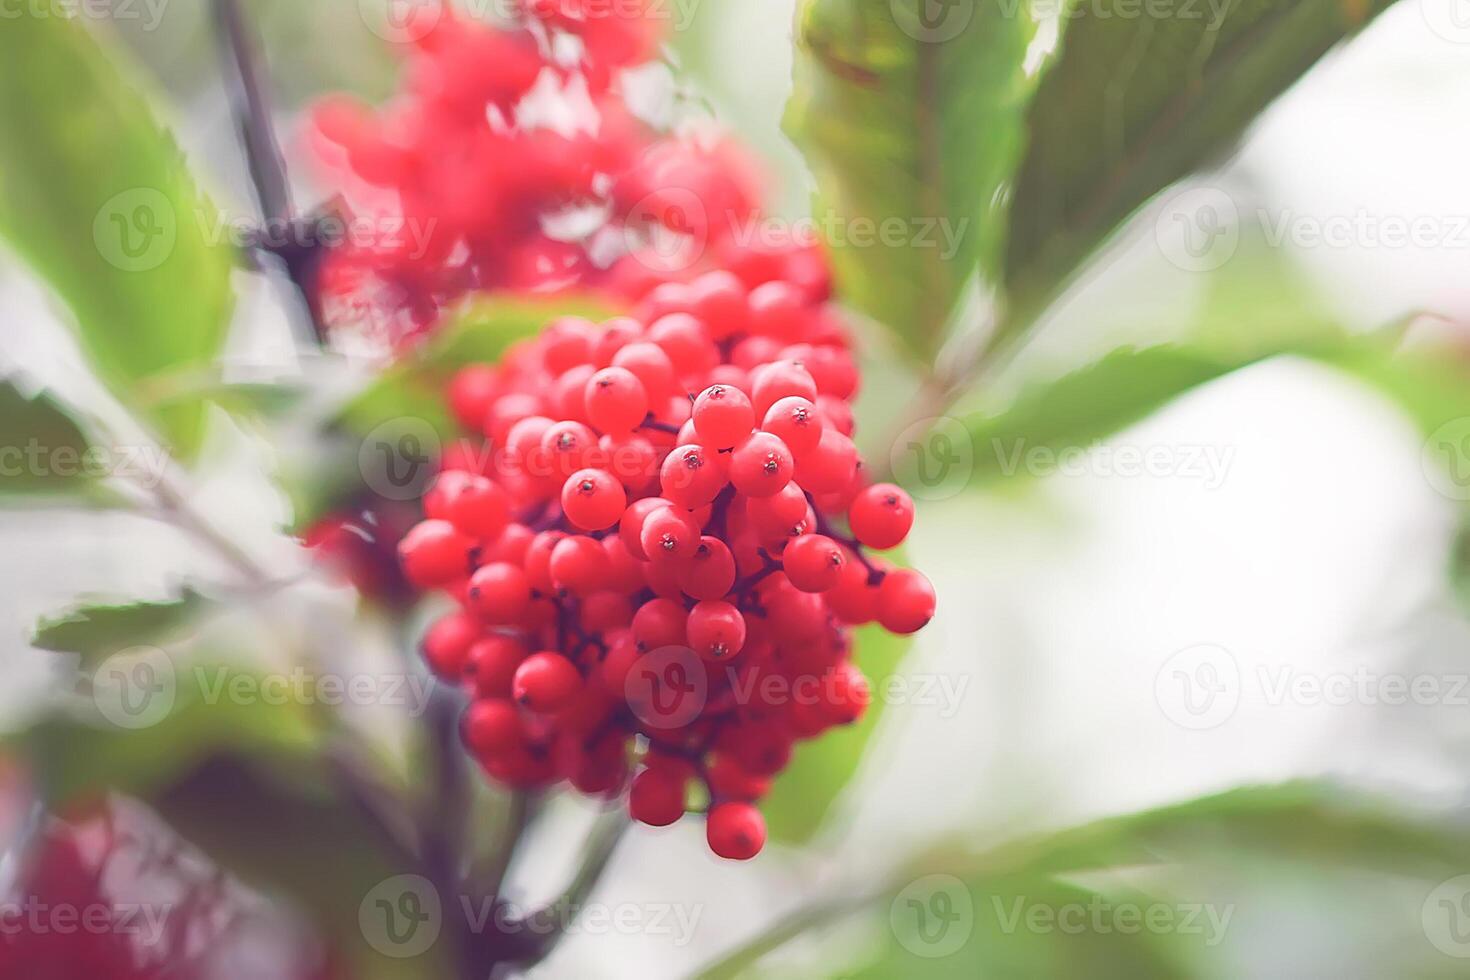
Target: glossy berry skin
593,499
795,421
491,726
499,594
716,630
615,400
735,831
723,416
761,466
905,602
545,682
881,516
813,563
657,798
478,507
446,646
692,476
435,553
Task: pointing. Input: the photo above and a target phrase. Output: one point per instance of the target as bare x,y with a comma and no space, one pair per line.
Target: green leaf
1133,104
414,387
803,794
97,198
913,129
43,452
149,722
98,631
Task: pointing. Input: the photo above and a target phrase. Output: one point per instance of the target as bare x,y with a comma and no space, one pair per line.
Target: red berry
796,422
813,563
478,507
491,727
616,400
723,416
580,565
660,623
499,594
447,645
831,467
657,798
593,500
566,448
710,572
686,342
434,554
735,831
493,662
471,394
716,630
905,601
881,516
692,476
652,367
761,465
778,380
546,682
630,526
846,694
777,310
669,532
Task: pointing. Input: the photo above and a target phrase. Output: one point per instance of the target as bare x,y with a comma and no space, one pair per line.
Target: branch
251,105
551,922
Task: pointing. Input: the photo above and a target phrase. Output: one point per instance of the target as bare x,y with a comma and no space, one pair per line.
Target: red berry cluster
511,161
640,536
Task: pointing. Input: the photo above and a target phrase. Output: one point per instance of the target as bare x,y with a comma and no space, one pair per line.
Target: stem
174,502
251,105
735,962
553,920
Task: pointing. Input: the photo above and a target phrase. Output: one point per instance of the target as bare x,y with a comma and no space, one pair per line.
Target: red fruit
471,393
881,516
716,630
813,563
905,601
720,301
566,448
686,342
660,623
723,416
778,311
615,400
652,367
710,572
580,565
499,594
546,682
692,476
727,781
778,380
630,526
669,532
491,727
493,662
435,554
657,798
846,694
761,466
796,422
478,507
447,645
831,467
735,831
593,499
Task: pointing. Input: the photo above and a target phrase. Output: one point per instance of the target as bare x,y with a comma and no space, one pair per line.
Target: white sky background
1321,550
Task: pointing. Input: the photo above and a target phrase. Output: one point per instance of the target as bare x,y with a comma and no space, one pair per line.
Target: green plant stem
735,962
552,920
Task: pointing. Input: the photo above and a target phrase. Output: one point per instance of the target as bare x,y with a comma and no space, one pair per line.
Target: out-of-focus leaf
43,452
804,793
912,117
414,387
1133,104
97,198
152,721
96,631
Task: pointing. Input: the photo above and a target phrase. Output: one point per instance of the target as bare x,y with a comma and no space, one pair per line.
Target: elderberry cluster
644,538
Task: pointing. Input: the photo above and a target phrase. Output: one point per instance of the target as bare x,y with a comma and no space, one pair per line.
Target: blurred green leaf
43,452
95,632
1133,104
913,126
97,198
478,333
152,723
803,794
